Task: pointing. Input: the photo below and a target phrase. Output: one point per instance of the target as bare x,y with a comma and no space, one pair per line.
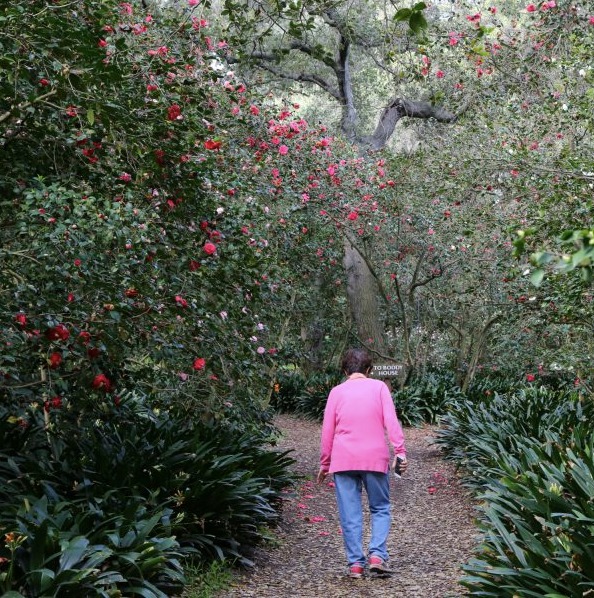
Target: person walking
358,417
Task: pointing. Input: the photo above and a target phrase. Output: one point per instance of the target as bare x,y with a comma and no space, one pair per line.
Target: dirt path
432,532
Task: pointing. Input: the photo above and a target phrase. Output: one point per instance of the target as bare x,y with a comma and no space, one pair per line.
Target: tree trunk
363,297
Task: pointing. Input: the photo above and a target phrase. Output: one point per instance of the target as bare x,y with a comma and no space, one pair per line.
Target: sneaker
356,571
378,567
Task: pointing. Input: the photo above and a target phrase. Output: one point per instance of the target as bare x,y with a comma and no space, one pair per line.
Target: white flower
220,211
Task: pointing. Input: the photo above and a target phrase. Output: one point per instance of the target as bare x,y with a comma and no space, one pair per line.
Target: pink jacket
359,413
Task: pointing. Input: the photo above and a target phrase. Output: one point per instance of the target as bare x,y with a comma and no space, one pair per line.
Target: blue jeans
348,485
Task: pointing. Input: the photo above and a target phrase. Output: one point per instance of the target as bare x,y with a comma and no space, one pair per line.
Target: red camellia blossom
93,352
209,248
85,337
21,319
173,112
101,382
181,301
199,363
55,359
59,332
211,144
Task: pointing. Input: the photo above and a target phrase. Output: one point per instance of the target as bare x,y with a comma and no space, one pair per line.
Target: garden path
432,532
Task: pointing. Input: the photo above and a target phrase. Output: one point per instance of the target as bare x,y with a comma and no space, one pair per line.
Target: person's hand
403,464
322,475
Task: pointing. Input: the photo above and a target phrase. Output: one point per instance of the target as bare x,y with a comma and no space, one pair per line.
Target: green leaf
537,277
417,22
91,116
403,14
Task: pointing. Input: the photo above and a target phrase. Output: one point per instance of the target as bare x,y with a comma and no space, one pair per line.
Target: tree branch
24,105
399,108
304,77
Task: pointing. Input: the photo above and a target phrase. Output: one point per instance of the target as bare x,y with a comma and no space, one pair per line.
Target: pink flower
181,301
125,177
77,262
591,20
260,350
21,319
199,363
102,43
530,377
209,248
254,110
353,216
430,232
283,150
530,8
440,74
193,2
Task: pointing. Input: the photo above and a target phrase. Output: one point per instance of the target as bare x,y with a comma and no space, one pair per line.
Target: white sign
392,370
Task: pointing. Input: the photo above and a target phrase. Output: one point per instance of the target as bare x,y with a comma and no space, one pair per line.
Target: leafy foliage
529,455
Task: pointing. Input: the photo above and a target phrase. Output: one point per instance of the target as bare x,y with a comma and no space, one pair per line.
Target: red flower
44,82
181,301
55,359
131,292
530,377
209,248
125,177
174,112
85,337
56,402
353,216
210,144
199,363
71,111
77,262
101,382
93,353
21,319
57,332
254,110
193,265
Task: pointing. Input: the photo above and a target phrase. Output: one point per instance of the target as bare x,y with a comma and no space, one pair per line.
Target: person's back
359,415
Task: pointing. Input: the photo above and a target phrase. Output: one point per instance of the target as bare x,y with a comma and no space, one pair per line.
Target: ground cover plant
117,501
529,457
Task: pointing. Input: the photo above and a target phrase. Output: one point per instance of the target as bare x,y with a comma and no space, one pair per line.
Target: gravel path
432,531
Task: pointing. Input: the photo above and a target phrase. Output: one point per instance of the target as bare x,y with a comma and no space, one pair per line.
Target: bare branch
304,77
399,108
